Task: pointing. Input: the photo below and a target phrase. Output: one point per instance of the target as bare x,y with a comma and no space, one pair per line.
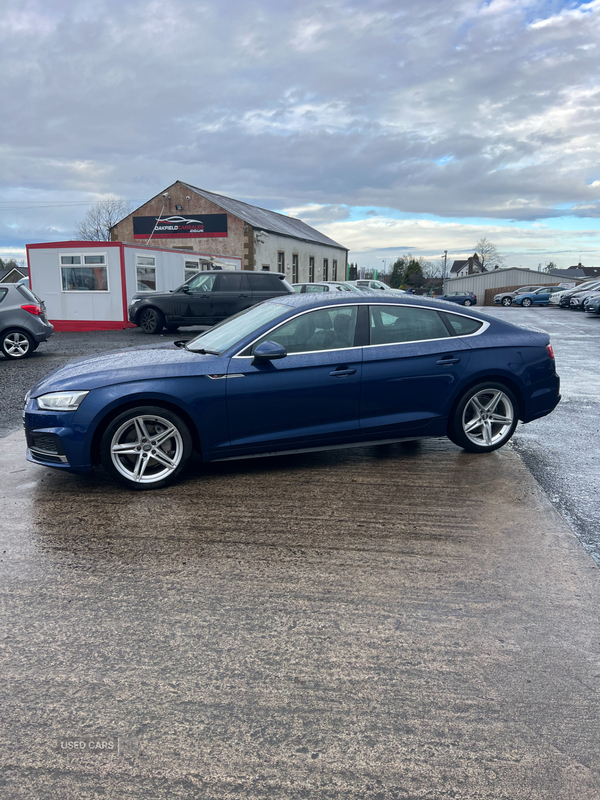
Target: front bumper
54,439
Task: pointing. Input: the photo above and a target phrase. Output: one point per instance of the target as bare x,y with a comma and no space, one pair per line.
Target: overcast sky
393,126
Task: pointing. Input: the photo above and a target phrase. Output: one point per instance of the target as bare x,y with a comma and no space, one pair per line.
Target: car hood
132,364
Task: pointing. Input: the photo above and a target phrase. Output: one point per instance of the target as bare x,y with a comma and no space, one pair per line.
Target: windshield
232,330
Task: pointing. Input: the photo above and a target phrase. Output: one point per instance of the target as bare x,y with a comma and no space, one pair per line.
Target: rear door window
229,282
3,293
397,324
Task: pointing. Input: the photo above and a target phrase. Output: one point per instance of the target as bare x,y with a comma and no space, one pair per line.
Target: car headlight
61,401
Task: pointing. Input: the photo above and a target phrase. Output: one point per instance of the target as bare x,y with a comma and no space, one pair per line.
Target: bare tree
100,218
489,257
433,269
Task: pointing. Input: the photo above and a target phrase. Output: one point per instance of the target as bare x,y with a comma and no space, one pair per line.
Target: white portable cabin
87,286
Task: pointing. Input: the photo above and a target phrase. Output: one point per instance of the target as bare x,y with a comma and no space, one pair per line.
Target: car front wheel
484,419
507,301
146,447
17,344
526,302
151,320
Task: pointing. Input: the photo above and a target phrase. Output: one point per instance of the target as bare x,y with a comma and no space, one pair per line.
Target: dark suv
23,323
205,299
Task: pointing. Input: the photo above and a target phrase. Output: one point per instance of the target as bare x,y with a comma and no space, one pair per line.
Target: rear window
27,294
462,326
268,283
264,283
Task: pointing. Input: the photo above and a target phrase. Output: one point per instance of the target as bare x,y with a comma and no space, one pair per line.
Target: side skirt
325,447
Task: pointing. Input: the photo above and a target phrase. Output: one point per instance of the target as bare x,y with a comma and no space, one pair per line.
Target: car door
411,367
309,398
232,293
196,303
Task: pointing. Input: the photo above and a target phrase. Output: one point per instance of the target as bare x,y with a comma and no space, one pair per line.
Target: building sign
192,226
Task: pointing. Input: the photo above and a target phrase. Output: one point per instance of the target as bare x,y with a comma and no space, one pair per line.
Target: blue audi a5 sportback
295,373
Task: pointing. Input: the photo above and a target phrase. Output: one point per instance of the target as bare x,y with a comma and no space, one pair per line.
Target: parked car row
578,298
528,296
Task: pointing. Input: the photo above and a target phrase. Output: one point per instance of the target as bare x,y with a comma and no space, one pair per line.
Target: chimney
470,270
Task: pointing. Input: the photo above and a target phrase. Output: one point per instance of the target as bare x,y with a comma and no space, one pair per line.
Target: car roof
320,299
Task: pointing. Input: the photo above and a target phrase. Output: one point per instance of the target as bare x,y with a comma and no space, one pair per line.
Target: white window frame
145,266
83,265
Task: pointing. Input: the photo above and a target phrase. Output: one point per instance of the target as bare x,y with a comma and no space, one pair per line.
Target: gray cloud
447,107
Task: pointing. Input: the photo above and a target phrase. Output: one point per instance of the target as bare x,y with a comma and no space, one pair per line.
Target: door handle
341,371
244,295
448,360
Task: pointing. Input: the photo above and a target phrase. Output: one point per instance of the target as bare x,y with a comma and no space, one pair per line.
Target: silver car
23,323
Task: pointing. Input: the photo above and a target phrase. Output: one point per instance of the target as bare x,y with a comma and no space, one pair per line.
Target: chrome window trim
485,325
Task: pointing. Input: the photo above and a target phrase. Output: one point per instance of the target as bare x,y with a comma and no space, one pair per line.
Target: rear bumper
543,397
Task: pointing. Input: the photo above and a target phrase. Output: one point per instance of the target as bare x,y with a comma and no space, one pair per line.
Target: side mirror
185,288
269,351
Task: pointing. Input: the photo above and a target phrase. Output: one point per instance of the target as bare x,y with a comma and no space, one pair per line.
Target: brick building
206,226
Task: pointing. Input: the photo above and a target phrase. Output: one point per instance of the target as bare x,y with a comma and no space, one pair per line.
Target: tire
127,453
17,344
471,430
526,302
151,320
468,303
507,301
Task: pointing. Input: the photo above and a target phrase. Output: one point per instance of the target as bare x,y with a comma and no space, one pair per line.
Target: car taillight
33,310
550,351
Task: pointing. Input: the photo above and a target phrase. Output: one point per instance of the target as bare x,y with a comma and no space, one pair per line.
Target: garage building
205,226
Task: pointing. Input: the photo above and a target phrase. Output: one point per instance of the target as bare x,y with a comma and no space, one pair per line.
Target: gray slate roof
262,219
4,273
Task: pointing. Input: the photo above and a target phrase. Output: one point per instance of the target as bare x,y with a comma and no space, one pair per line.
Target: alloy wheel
488,417
16,344
146,449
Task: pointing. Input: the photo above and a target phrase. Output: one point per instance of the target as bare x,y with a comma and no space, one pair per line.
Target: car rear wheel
17,344
484,419
507,301
146,447
468,302
151,320
526,302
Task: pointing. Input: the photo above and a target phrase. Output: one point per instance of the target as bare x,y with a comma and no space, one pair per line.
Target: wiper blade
203,351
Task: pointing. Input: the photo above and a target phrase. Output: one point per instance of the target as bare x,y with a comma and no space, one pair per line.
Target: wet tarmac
387,622
394,622
563,450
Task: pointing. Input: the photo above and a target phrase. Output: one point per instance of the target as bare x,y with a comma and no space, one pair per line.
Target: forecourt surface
407,621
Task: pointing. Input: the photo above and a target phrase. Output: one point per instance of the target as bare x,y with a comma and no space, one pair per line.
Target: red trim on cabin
78,245
124,282
81,325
